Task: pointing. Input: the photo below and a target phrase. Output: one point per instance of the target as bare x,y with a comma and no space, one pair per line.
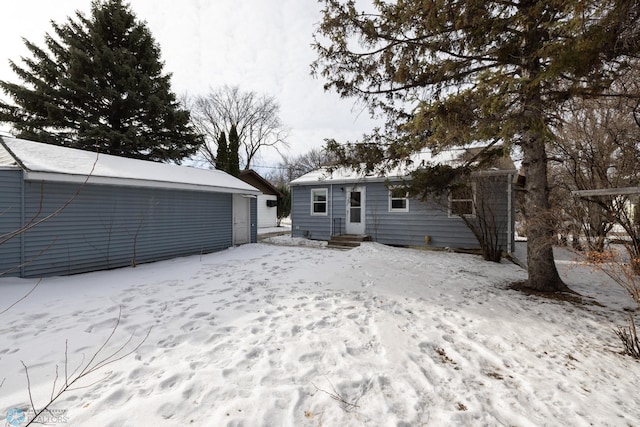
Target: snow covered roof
451,157
54,163
6,159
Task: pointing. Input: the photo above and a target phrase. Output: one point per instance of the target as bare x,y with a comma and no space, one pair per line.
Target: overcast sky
259,45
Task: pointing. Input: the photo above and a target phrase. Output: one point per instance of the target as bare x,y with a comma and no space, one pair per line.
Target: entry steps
348,241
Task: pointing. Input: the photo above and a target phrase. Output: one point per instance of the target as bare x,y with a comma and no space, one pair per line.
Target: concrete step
352,238
347,241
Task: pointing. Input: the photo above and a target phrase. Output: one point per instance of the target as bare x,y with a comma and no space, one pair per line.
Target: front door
241,220
355,210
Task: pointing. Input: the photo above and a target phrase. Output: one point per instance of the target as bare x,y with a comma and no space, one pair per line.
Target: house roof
252,177
453,157
55,163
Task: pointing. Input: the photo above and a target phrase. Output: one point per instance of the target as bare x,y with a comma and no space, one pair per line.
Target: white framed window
319,201
398,200
462,201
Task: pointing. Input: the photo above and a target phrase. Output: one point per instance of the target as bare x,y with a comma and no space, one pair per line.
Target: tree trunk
543,275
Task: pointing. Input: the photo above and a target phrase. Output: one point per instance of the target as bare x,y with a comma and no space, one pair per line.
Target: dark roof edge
262,180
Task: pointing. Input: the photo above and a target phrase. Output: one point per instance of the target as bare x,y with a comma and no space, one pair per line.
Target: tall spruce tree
222,157
454,72
234,147
98,85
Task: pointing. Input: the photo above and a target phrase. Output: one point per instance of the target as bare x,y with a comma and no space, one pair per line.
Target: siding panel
317,227
267,216
410,228
108,226
10,220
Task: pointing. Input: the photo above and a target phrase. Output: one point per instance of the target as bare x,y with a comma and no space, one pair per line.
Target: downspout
509,214
22,223
331,231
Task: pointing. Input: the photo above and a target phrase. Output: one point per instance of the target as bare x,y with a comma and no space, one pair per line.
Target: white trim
356,227
326,201
405,198
473,204
241,210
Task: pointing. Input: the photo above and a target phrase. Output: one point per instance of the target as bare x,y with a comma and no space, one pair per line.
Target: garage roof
62,164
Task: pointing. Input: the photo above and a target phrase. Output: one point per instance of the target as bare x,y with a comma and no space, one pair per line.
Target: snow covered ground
286,335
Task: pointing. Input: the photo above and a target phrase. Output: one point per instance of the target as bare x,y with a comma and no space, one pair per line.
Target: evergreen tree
284,203
222,158
234,158
98,85
454,72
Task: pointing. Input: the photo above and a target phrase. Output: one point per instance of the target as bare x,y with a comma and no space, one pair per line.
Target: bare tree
488,221
255,116
597,148
476,198
292,167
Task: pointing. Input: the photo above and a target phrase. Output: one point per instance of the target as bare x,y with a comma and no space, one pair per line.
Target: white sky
259,45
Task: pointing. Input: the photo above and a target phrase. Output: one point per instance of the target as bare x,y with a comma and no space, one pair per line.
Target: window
319,201
398,200
462,201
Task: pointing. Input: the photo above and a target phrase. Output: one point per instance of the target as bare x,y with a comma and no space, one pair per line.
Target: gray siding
109,226
410,228
10,220
317,227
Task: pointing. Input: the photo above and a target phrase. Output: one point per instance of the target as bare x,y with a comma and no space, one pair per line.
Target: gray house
65,211
328,204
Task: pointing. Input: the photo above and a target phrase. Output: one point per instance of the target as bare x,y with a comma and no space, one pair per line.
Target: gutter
509,215
131,182
607,192
365,179
332,231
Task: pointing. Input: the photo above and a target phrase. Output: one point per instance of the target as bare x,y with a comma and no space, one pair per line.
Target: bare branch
33,223
256,118
21,299
95,363
26,372
346,406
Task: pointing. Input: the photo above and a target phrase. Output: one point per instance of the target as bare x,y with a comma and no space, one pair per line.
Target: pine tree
222,159
454,72
98,85
284,202
234,158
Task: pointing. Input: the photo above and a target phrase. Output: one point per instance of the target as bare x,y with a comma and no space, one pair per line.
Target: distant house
631,202
267,201
327,204
82,211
